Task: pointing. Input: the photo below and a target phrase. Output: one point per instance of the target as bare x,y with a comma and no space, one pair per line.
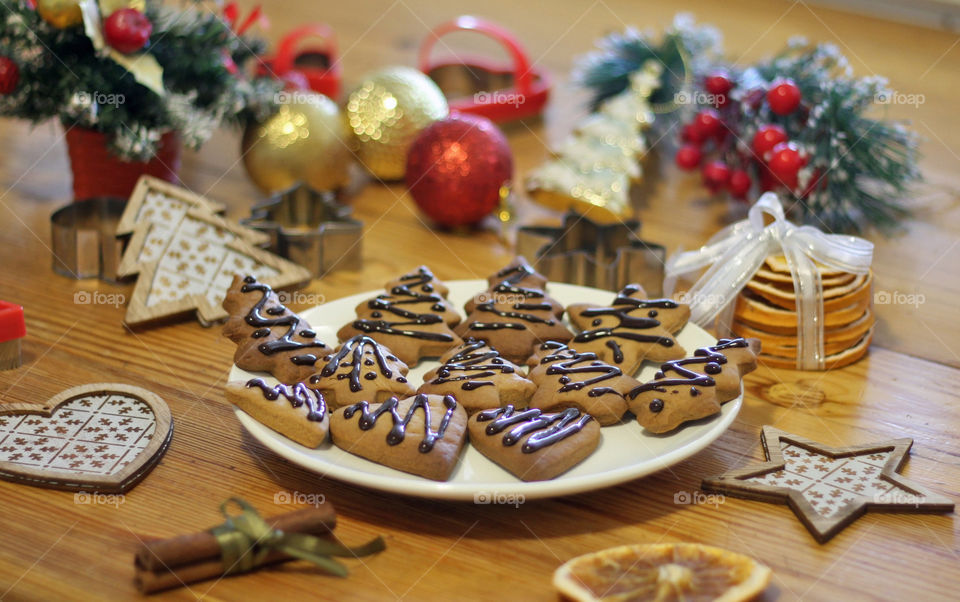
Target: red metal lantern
318,63
481,86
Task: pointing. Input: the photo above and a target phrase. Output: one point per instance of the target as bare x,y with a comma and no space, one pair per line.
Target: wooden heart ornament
102,437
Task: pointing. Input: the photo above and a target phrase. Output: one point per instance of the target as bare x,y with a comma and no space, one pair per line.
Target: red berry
127,30
716,174
690,133
708,123
739,183
688,157
9,75
767,137
718,83
783,97
785,163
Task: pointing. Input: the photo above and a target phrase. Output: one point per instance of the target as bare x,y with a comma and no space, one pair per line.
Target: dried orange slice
662,572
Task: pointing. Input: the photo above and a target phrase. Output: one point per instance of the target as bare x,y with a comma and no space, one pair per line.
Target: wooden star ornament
828,488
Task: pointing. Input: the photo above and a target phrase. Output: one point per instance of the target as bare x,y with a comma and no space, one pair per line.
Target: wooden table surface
54,548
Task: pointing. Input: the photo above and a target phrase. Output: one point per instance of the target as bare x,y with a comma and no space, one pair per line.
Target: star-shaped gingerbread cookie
694,387
631,329
828,488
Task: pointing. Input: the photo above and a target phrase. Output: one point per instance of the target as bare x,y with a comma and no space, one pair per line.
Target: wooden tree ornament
102,437
186,255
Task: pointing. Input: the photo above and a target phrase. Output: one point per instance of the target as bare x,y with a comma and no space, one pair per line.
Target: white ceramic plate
626,451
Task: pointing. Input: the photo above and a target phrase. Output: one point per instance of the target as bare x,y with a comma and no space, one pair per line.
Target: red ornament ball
456,168
783,97
716,174
785,163
690,133
127,30
719,85
739,183
708,123
767,137
9,75
688,157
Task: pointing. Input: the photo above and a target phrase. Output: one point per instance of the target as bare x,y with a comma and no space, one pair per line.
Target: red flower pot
97,172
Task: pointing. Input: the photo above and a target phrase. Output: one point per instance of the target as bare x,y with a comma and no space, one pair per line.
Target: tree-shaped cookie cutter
310,228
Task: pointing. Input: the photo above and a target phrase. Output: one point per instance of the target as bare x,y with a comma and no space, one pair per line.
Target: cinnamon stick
149,582
160,556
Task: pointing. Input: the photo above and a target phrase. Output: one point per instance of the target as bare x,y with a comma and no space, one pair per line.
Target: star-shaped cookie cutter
903,494
584,252
310,228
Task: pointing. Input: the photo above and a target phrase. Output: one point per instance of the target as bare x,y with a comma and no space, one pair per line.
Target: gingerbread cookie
269,337
518,282
420,280
479,378
566,378
533,445
301,415
408,302
421,435
361,370
630,330
703,382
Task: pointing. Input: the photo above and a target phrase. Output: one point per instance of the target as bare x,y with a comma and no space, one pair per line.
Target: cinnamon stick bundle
167,563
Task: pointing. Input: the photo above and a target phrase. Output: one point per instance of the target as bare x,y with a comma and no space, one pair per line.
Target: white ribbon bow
736,253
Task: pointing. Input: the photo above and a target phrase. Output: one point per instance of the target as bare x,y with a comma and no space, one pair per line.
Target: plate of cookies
534,389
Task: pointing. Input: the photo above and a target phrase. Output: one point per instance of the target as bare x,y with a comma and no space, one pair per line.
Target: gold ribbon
246,539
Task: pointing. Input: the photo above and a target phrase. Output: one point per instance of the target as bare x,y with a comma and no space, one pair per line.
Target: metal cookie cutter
607,256
310,228
84,237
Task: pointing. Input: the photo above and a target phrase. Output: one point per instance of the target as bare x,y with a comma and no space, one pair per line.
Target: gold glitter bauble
60,13
386,112
304,141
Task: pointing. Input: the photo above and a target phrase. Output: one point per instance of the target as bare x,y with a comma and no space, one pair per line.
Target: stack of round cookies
766,309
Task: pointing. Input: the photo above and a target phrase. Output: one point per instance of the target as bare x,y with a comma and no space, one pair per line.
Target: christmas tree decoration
186,256
736,253
306,140
581,176
178,82
386,112
478,85
109,436
60,14
311,229
800,472
846,170
127,30
9,75
459,170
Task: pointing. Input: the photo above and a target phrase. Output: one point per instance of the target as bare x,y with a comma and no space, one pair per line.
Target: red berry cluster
708,144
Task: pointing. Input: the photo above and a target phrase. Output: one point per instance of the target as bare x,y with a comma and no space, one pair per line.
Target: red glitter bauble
457,167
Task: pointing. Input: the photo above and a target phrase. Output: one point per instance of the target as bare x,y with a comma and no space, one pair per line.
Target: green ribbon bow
246,539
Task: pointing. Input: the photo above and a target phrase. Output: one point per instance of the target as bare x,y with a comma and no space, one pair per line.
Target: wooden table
54,548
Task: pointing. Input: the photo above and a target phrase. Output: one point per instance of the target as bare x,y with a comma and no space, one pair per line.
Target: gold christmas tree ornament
386,112
306,140
60,13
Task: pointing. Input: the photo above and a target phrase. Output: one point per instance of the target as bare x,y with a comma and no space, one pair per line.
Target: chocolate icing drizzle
474,364
355,347
519,313
510,278
566,362
621,308
404,294
278,315
397,433
711,359
298,395
547,429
